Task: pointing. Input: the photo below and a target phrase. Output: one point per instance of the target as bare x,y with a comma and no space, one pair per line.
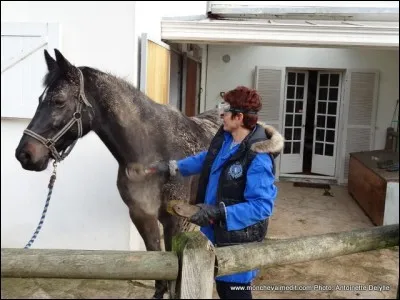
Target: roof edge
242,32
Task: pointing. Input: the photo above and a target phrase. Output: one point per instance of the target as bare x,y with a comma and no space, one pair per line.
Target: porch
299,211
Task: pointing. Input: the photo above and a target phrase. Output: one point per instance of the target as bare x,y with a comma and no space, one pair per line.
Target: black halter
76,118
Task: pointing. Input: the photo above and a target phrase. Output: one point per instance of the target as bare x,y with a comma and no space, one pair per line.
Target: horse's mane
56,74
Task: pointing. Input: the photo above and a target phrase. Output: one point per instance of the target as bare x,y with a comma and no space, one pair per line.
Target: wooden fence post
196,258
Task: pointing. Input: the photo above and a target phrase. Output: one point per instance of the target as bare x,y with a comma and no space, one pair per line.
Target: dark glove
208,214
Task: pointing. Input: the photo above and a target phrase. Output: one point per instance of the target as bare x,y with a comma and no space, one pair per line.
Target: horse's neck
118,123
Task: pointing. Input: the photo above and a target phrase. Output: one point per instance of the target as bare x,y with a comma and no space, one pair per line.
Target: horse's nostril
25,157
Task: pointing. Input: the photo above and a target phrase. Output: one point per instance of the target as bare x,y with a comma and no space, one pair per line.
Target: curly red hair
246,99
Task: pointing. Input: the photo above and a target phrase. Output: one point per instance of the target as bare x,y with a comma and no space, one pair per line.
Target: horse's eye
59,103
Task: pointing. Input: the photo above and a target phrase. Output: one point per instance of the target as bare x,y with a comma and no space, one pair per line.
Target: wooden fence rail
194,263
88,264
289,251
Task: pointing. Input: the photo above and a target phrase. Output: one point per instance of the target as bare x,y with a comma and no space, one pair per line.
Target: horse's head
62,116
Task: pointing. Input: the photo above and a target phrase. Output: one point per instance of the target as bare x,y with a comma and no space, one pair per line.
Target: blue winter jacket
260,191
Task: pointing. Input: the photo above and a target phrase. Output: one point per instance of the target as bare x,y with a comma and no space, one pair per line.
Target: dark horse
134,128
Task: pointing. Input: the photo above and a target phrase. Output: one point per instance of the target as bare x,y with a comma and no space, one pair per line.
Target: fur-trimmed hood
273,145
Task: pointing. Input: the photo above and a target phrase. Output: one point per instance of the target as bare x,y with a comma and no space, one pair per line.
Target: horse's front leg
144,202
147,225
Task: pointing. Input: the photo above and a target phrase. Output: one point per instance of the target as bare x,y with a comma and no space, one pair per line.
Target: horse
134,128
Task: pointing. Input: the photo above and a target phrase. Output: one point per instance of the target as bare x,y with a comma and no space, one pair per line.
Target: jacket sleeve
260,193
192,165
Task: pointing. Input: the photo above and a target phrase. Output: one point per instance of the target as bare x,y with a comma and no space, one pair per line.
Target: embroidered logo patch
235,171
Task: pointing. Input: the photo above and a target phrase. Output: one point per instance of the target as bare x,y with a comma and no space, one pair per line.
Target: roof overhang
304,33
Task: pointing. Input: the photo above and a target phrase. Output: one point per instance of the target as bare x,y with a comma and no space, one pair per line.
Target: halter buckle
77,115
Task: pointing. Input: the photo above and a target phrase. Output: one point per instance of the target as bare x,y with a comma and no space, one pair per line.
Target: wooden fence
193,264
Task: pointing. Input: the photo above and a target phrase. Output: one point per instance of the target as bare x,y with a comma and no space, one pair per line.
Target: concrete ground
298,212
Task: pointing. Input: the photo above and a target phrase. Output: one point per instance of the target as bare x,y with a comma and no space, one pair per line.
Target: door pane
289,120
288,134
323,94
296,147
320,136
299,106
289,106
290,92
334,80
297,134
333,94
300,78
329,149
324,79
319,148
331,122
299,93
321,107
297,120
287,148
321,121
292,78
332,108
330,136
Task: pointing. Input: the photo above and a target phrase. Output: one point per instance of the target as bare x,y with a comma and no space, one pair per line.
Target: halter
49,143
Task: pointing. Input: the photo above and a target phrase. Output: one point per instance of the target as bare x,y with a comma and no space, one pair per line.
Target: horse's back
210,121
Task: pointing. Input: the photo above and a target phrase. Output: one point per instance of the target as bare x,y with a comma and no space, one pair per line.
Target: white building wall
223,76
85,211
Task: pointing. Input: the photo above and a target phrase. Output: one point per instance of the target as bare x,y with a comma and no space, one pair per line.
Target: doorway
191,71
311,112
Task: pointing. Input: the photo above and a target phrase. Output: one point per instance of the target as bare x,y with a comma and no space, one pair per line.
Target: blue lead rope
50,186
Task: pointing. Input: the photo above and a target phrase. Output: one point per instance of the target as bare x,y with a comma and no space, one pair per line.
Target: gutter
267,11
265,32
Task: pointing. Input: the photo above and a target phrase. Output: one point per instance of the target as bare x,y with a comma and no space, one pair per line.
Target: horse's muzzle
30,158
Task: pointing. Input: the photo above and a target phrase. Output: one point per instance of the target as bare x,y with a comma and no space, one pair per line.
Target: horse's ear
65,66
51,62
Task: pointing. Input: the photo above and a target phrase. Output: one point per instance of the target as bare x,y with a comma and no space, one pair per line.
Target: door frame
340,119
184,70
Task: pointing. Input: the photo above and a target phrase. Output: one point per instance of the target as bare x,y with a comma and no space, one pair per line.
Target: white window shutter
23,65
360,115
269,82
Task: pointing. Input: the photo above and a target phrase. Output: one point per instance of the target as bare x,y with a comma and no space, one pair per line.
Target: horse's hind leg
147,225
171,228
